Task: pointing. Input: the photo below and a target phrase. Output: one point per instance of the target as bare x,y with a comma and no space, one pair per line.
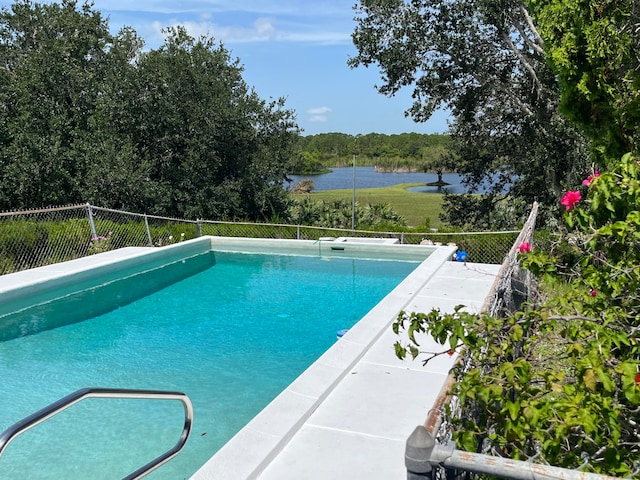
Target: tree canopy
91,116
594,48
484,61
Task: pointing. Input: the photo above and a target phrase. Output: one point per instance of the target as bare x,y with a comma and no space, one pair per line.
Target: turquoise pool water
231,337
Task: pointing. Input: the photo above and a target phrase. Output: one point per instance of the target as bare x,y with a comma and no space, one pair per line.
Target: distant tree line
411,151
87,116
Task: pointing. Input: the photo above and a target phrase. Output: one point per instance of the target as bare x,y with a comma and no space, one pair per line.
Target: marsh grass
418,209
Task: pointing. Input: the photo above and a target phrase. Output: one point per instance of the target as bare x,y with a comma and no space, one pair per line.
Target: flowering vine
525,247
571,198
100,243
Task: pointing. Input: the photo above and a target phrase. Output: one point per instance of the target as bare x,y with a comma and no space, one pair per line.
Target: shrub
579,406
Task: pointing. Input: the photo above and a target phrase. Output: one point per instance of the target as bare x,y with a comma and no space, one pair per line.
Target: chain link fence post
94,232
146,224
417,454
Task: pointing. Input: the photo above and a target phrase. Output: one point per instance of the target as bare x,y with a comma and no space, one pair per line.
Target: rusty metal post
424,455
417,454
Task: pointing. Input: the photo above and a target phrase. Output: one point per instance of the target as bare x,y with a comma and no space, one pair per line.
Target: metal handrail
49,411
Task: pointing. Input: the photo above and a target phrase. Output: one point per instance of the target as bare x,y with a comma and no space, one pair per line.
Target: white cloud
324,8
319,114
263,29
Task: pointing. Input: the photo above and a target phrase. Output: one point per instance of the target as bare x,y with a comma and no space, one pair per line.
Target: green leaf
468,441
414,351
514,410
401,352
589,379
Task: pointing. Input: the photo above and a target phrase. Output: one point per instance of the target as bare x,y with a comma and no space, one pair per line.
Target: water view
367,177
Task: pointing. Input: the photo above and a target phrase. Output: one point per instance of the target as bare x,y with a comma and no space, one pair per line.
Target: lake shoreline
342,178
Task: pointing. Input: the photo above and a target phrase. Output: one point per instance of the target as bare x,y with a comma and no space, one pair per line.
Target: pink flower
590,178
593,293
571,198
525,247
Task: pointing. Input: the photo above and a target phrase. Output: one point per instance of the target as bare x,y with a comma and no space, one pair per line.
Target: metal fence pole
422,455
417,455
199,228
94,232
298,232
146,224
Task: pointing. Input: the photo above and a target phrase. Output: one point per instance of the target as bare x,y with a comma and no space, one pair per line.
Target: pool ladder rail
49,411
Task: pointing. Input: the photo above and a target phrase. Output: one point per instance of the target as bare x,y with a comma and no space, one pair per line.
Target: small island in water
439,182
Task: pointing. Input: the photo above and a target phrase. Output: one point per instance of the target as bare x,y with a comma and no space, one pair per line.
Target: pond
366,177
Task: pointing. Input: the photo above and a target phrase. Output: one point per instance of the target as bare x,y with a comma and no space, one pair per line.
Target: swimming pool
159,354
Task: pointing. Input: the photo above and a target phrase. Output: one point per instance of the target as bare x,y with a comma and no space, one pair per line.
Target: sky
295,49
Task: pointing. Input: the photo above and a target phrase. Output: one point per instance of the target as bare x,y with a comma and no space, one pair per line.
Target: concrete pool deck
354,424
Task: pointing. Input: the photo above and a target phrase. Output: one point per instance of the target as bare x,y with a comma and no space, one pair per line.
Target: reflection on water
443,189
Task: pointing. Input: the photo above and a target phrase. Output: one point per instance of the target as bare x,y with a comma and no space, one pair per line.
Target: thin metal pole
515,469
353,196
94,232
423,454
146,223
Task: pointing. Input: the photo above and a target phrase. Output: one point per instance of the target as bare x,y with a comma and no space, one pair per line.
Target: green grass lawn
413,206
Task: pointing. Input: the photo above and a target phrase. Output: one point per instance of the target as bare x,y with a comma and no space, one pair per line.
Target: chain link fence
511,287
431,451
33,238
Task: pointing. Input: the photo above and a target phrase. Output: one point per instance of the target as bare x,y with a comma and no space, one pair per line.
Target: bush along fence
33,238
431,449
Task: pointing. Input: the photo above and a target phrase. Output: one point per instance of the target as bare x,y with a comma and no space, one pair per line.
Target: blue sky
296,49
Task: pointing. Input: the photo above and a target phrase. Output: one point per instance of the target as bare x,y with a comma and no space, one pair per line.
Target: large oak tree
483,60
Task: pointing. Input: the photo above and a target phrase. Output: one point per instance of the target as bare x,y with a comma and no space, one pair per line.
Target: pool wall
362,248
93,285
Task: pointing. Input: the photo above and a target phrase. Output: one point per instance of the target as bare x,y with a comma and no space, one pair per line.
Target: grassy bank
414,207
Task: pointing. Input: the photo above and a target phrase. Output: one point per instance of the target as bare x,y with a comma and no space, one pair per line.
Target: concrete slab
338,454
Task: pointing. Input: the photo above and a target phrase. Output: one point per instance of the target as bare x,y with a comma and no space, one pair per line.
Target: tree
483,60
53,58
213,147
594,47
117,174
87,116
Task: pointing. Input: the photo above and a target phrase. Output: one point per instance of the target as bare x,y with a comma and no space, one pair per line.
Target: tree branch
534,31
524,62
